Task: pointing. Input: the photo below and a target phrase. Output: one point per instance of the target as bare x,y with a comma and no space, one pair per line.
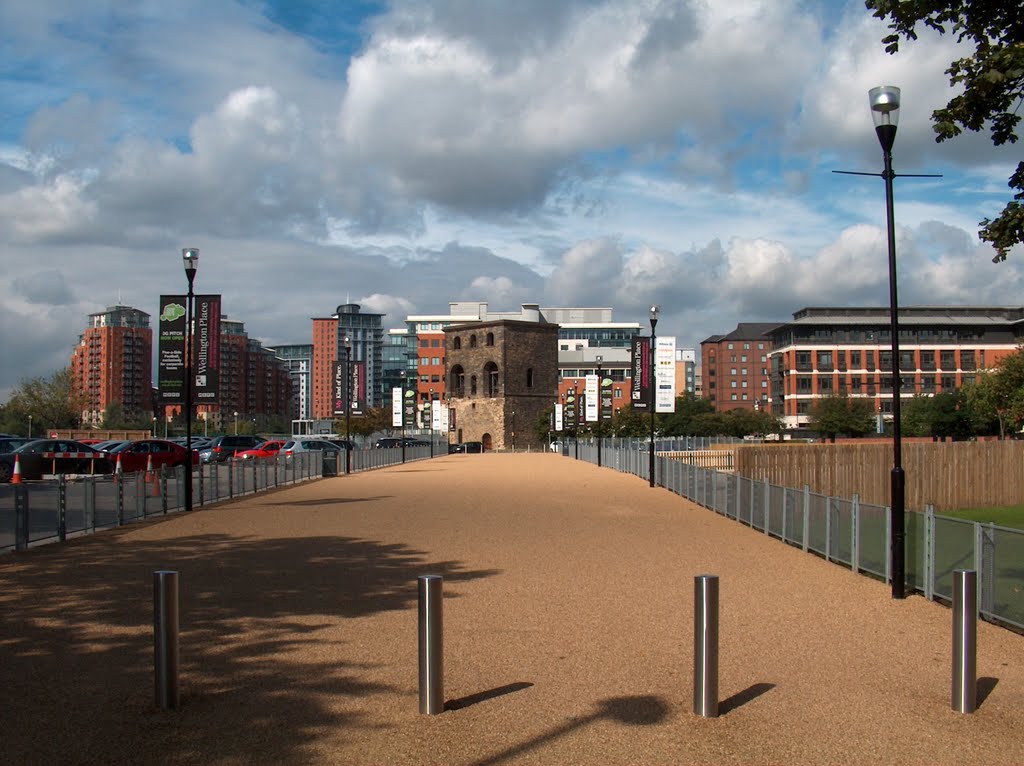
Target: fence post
785,513
855,534
767,506
21,517
431,644
119,497
89,522
705,645
964,698
231,477
828,527
929,552
888,544
165,638
987,579
62,508
807,516
163,489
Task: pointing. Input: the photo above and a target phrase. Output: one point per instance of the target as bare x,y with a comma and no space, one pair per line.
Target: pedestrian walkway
568,623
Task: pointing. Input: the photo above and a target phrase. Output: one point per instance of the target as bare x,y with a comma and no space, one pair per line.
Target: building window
947,360
743,358
490,339
457,343
825,361
491,379
435,343
472,341
435,360
733,397
967,360
472,385
529,377
746,346
803,360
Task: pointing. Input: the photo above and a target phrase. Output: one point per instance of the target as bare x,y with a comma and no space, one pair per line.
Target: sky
405,154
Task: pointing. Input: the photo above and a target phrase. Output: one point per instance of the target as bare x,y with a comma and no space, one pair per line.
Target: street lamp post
348,404
513,430
236,422
29,426
653,388
433,404
401,374
154,426
190,258
600,359
885,107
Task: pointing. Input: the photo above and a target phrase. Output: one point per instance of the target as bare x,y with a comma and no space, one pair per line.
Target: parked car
109,444
136,455
268,449
472,447
11,443
392,442
45,456
303,444
343,443
224,447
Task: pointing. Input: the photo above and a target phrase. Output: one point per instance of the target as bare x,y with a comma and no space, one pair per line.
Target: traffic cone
16,476
117,468
151,477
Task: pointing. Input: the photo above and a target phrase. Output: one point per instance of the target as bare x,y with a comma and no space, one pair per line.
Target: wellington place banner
358,392
206,353
351,400
642,385
171,356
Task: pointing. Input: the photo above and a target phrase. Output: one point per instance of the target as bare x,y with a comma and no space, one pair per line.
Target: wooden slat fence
716,459
947,475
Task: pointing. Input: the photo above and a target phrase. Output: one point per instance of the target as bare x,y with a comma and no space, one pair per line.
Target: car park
41,457
151,453
267,449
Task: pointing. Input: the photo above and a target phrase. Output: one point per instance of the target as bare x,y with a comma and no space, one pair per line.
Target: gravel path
568,635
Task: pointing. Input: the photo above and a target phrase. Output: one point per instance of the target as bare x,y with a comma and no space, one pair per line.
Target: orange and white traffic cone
151,477
16,476
117,467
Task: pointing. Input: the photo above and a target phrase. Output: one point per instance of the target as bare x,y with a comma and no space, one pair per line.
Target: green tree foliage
834,415
997,396
688,409
989,83
946,414
52,403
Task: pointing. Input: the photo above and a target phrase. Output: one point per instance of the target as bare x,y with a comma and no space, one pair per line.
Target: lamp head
885,111
190,257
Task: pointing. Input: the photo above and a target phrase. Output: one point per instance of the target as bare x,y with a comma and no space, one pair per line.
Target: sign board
641,389
396,407
665,374
592,399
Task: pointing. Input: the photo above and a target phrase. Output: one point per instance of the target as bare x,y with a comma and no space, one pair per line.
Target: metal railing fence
849,532
32,513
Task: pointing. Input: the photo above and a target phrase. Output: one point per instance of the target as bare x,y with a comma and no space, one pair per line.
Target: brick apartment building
735,372
828,351
112,364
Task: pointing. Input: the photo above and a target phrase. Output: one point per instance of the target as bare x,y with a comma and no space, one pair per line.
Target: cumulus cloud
45,287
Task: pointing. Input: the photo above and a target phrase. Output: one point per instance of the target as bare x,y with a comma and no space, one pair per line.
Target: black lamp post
190,257
885,108
599,390
401,374
433,404
348,405
653,389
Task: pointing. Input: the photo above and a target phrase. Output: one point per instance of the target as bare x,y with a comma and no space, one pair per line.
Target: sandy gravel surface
568,635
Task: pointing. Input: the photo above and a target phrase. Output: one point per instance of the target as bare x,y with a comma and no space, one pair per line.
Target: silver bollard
165,638
965,641
431,640
705,645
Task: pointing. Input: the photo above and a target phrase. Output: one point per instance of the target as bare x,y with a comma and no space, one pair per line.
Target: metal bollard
965,641
705,645
165,638
431,645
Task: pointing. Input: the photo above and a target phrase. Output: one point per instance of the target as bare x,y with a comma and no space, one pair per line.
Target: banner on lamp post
592,400
171,356
396,407
665,374
206,349
641,388
606,407
558,417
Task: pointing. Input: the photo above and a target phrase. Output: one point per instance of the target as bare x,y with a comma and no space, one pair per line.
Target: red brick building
735,372
112,364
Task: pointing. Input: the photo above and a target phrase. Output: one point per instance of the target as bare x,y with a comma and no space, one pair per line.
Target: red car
268,449
135,456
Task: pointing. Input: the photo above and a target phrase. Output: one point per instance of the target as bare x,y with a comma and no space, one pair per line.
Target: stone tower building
501,376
